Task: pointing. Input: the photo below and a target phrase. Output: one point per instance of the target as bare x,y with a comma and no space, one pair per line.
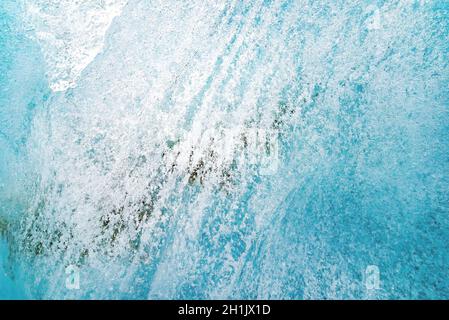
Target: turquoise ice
283,149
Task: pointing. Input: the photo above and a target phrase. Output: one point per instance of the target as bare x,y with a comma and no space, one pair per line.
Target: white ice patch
71,33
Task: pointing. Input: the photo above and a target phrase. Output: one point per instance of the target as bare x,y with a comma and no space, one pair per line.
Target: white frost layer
71,33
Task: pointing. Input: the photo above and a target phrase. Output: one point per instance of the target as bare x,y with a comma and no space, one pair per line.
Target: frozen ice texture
71,33
141,163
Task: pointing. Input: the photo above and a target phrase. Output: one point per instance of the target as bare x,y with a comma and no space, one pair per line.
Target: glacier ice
140,161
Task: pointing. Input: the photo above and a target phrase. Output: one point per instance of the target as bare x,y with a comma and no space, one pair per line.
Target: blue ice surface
380,199
9,288
22,84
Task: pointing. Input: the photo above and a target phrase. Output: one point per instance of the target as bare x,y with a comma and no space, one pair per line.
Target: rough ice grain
122,172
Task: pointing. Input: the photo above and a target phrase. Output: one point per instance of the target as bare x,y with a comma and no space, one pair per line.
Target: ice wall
71,33
145,163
